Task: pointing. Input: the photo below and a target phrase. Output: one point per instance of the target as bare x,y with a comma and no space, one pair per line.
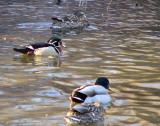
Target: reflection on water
37,25
123,45
39,61
92,124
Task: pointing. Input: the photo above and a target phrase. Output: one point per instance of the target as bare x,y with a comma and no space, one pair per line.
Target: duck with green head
88,102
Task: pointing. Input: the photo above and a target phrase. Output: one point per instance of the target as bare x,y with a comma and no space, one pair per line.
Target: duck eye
60,42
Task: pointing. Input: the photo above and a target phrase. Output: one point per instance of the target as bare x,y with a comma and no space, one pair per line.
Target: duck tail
21,50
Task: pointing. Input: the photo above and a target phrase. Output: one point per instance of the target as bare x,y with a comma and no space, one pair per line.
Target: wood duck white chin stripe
53,47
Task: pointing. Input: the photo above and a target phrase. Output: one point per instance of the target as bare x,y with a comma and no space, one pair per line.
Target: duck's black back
40,45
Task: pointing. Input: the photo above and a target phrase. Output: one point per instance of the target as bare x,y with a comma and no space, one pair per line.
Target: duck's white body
96,94
46,51
102,99
93,90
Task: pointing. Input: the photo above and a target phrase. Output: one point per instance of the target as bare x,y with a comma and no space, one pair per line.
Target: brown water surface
123,44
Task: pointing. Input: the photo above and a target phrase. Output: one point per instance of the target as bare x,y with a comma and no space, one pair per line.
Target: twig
110,2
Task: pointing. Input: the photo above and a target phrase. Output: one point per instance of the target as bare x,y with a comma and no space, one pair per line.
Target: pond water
123,44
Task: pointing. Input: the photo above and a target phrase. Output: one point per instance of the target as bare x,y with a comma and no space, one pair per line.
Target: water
122,44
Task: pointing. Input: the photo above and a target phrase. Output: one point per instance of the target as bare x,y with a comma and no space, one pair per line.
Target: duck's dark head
56,40
103,81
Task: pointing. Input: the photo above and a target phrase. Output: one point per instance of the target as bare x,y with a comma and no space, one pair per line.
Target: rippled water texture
123,44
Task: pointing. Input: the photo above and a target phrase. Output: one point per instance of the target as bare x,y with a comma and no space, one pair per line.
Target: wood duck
53,47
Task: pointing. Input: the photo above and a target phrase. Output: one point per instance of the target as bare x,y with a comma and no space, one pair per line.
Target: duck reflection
92,124
89,115
39,60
